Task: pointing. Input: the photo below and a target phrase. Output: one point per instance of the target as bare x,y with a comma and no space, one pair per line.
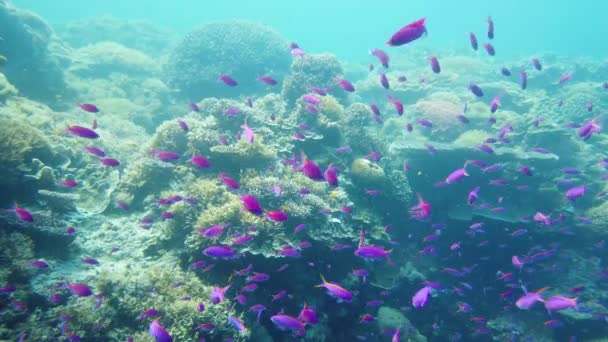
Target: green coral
243,154
389,319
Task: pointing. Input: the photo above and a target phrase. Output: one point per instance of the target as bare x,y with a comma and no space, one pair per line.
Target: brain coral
241,49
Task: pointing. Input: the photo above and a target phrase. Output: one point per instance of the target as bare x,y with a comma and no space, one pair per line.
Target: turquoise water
350,28
181,171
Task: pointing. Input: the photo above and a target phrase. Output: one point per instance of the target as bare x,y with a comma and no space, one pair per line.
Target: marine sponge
318,70
244,50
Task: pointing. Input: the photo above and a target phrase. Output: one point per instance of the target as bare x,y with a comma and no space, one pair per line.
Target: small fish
88,107
505,72
111,162
382,57
183,125
227,80
228,181
473,41
336,291
489,49
90,261
220,252
476,90
408,33
95,151
285,322
384,81
79,289
277,215
558,303
82,132
194,107
490,28
421,297
523,79
164,156
248,133
345,84
23,214
159,333
435,64
39,264
421,211
267,80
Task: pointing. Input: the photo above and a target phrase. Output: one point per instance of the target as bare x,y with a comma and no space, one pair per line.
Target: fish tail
323,279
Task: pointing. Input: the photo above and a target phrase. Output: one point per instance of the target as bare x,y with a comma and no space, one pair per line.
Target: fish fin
542,290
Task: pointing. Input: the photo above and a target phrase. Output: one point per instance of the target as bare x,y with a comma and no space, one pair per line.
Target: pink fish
79,289
536,64
228,181
277,215
310,169
251,204
528,300
421,211
267,80
382,57
408,33
164,156
95,151
248,133
384,81
435,64
82,132
68,183
473,41
558,303
23,214
87,107
111,162
565,77
336,291
199,161
159,333
229,81
331,175
346,85
489,49
220,252
490,28
421,297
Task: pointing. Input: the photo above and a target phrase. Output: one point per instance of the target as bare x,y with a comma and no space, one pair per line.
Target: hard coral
308,71
241,49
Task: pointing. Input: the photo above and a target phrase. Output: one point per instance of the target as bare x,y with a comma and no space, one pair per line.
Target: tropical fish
408,33
336,291
159,333
473,41
88,107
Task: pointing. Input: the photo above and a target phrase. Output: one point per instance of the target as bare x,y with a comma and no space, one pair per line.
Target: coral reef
390,319
31,66
6,89
312,70
244,50
137,34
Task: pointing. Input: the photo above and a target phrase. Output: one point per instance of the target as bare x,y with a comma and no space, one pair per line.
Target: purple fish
251,204
574,193
159,333
200,161
229,81
408,33
285,322
505,72
382,57
220,252
384,81
421,297
238,324
218,294
473,195
435,64
267,80
344,149
232,111
336,291
489,49
473,41
523,79
228,181
456,175
476,90
372,252
164,156
331,175
558,303
39,264
310,169
95,151
183,125
346,85
111,162
79,289
485,148
311,99
248,133
82,132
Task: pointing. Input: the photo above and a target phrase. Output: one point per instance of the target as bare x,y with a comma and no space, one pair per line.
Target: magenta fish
382,57
384,81
111,162
229,81
82,132
536,64
95,151
68,183
308,315
372,252
79,289
528,300
331,175
159,333
289,323
267,80
164,156
251,204
346,85
336,291
574,193
490,28
310,169
523,79
408,33
39,264
489,49
277,215
220,252
473,41
435,64
199,161
457,175
23,214
589,128
248,133
495,104
88,107
193,106
565,77
558,303
505,71
421,297
228,181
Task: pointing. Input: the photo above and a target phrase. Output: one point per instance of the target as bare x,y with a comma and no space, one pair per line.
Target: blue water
350,28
